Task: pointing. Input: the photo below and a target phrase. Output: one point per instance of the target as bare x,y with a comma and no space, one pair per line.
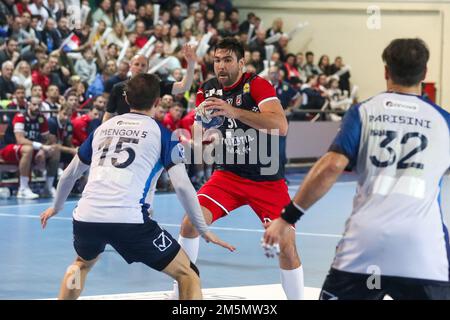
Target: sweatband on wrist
292,213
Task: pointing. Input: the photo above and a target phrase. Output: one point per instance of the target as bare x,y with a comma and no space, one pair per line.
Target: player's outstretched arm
186,83
319,180
71,174
188,198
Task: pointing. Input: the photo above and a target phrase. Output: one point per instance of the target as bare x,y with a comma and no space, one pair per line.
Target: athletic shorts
11,153
226,191
340,285
146,242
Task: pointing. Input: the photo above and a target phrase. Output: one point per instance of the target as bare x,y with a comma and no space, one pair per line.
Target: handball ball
207,117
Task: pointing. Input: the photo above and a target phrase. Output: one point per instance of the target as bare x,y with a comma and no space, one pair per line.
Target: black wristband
291,213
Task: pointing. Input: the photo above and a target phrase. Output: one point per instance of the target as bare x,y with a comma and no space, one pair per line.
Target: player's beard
229,78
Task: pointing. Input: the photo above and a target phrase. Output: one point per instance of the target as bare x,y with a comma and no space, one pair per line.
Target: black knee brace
194,267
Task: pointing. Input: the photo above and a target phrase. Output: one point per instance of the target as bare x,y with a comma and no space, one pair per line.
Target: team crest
41,120
162,242
239,100
246,88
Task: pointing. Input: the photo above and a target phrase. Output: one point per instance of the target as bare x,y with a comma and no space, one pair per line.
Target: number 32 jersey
399,146
126,156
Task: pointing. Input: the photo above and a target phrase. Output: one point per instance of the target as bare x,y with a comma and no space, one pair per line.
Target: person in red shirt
41,76
27,143
172,118
81,124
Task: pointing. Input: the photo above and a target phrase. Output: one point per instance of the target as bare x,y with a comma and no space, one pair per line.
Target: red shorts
226,191
12,153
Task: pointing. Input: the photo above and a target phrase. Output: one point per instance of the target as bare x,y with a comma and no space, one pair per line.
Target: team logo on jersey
246,88
403,105
41,120
181,151
239,100
162,242
128,123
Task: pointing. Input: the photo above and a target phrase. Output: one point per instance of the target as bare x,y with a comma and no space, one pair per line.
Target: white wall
340,28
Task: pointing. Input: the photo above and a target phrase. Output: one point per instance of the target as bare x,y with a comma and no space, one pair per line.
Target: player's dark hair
142,91
232,45
406,61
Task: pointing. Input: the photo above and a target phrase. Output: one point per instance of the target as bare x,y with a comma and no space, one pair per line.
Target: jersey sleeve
262,91
165,87
85,150
172,151
19,123
347,140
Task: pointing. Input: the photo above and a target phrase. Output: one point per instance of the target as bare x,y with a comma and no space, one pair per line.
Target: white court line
325,235
25,205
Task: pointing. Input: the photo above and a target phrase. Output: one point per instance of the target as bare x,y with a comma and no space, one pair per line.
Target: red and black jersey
33,129
246,151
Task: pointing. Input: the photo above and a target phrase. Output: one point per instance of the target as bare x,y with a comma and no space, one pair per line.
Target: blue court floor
33,261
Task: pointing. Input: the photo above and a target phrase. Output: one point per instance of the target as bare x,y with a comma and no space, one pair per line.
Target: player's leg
74,278
24,155
412,289
291,269
186,274
340,285
268,199
189,238
52,163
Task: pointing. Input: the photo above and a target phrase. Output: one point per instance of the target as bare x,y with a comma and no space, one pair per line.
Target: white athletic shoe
50,193
26,193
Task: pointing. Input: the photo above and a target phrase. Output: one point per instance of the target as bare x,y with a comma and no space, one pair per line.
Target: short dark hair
231,44
142,91
406,61
309,53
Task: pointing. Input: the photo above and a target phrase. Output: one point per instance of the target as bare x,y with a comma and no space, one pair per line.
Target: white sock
190,245
292,283
50,182
24,182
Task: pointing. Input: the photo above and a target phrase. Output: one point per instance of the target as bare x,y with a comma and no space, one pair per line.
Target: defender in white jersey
126,156
399,145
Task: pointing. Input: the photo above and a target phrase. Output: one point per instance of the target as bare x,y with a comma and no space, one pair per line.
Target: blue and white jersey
126,156
399,145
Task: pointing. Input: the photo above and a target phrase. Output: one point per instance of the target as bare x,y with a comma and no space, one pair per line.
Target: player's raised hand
275,230
211,237
189,53
47,214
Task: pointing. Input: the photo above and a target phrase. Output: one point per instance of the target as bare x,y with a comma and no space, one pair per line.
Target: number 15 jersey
399,145
126,156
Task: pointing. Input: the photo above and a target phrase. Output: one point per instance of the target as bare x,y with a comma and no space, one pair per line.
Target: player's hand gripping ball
207,117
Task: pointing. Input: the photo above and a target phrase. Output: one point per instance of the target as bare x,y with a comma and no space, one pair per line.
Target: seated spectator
7,86
41,76
104,12
36,91
324,65
344,79
52,101
310,67
81,124
27,144
11,51
172,119
290,67
121,75
61,131
117,36
257,61
86,67
22,76
19,101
